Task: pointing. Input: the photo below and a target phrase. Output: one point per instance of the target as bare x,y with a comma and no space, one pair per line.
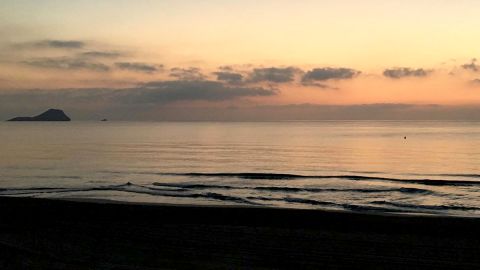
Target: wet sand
54,234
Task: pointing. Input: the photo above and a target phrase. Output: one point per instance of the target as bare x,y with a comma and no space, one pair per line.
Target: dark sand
51,234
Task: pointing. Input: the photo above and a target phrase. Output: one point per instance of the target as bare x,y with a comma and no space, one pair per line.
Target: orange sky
426,45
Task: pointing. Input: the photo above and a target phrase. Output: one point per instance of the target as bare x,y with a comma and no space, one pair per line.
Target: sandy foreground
55,234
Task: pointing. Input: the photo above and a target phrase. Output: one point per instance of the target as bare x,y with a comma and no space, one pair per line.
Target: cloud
475,81
187,74
229,77
328,73
401,72
273,74
54,44
65,63
471,66
139,67
171,91
319,85
126,101
225,68
101,54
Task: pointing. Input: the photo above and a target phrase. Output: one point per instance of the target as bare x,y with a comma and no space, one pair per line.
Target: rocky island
49,115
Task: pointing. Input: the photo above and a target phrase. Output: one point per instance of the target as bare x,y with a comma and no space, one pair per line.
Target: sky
241,60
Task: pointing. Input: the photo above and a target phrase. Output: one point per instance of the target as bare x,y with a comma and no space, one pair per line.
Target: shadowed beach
55,234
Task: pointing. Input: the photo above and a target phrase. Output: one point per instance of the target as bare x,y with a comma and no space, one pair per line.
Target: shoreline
101,234
340,211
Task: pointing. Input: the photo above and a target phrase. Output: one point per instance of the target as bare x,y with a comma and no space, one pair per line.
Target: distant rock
104,120
50,115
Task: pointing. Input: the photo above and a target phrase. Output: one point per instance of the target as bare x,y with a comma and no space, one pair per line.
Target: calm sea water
347,165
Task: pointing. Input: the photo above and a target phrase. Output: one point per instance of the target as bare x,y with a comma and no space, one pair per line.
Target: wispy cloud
187,74
401,72
475,82
53,43
101,54
65,63
471,66
139,67
318,85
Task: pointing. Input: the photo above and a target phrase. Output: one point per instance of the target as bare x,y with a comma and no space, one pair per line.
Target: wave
177,193
174,193
308,201
52,176
127,187
276,176
402,190
270,176
428,207
460,175
190,191
38,190
42,190
281,176
350,207
296,189
194,186
32,188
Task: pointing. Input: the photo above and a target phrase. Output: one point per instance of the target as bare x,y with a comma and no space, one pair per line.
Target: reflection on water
90,159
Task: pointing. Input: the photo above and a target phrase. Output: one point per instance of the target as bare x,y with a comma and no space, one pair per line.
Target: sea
409,167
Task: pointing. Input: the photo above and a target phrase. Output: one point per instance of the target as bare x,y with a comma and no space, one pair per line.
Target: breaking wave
282,176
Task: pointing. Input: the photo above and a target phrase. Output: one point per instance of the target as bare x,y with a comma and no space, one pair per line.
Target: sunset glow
307,52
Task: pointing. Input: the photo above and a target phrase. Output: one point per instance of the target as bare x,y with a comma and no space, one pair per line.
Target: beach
62,234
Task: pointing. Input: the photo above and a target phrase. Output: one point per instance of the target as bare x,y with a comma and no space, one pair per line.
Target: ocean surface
341,165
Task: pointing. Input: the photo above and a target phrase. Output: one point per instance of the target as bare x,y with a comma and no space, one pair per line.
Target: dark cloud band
54,44
151,93
67,64
273,74
101,54
139,67
170,91
328,73
229,77
397,73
